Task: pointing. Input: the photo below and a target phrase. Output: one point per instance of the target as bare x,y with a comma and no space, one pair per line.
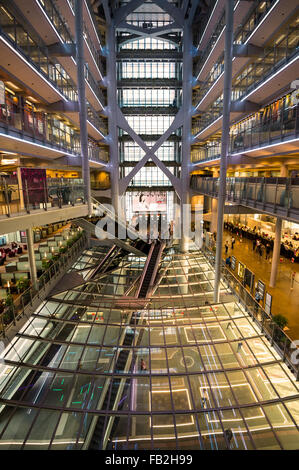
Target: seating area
12,252
15,266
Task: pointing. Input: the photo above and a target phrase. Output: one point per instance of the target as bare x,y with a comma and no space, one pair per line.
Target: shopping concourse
149,225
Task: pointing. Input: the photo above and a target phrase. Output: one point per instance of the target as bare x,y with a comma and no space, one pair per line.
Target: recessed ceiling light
32,99
13,86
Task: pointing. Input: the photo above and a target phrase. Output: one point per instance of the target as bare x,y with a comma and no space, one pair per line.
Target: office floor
285,300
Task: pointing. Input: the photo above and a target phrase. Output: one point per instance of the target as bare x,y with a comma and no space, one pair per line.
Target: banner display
261,289
249,278
150,201
241,270
233,263
34,182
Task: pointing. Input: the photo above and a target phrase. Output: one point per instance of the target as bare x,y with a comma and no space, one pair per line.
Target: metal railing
36,53
274,195
254,132
21,119
16,310
281,342
250,22
273,59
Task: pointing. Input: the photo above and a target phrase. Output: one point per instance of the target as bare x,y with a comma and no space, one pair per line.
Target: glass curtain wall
149,77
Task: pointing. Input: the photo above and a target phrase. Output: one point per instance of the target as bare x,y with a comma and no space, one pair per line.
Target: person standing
268,249
228,262
257,301
226,247
258,243
254,244
233,242
228,434
204,398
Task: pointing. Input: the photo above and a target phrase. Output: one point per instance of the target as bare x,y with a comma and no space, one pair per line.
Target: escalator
116,387
27,378
151,270
90,229
114,397
106,261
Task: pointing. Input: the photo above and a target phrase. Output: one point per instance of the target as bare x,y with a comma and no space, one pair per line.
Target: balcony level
212,50
211,25
277,197
47,143
92,44
261,135
42,19
277,14
18,65
259,93
23,57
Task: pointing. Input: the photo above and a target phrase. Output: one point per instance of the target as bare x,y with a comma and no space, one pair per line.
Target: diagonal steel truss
182,21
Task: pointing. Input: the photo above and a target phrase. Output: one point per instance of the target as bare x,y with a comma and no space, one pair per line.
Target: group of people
257,245
263,243
226,246
260,248
7,252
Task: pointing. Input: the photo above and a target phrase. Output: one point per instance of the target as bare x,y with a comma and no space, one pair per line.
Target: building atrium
149,225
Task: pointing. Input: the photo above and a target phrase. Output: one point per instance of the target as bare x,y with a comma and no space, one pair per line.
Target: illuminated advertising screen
146,201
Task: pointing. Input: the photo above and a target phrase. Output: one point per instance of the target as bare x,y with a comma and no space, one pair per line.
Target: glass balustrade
272,193
255,16
280,52
44,194
37,53
276,122
210,151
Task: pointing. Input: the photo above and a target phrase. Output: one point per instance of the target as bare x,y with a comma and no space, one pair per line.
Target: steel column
82,102
228,57
186,134
32,264
112,116
276,252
